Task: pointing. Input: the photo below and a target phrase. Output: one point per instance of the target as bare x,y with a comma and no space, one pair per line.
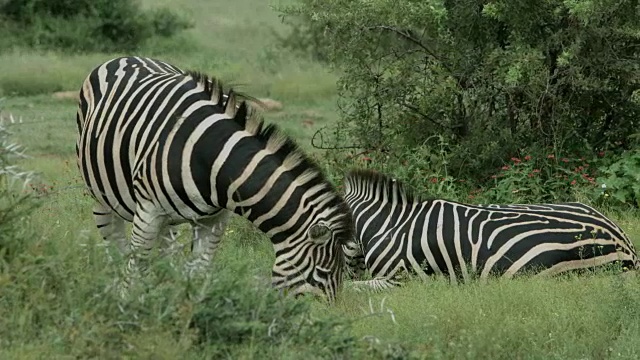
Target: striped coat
397,231
160,146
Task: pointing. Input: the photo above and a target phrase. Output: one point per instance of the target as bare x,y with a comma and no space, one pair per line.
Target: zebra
397,232
159,146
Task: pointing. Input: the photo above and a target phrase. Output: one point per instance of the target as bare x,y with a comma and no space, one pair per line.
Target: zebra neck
376,218
281,204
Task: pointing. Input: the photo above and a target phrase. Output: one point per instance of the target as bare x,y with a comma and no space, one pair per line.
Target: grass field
56,306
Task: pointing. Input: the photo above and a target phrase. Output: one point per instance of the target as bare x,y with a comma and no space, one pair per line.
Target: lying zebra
398,232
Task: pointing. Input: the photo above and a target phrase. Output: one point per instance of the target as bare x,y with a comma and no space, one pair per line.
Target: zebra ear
216,92
230,106
320,233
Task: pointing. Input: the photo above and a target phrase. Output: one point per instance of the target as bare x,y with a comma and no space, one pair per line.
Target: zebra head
315,263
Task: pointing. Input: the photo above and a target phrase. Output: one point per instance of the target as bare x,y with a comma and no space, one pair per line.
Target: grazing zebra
398,232
159,146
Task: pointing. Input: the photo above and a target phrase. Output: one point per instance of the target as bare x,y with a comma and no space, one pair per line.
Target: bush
621,180
13,204
69,299
492,78
537,177
540,178
234,312
86,25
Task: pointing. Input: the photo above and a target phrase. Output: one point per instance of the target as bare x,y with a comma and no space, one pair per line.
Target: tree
493,77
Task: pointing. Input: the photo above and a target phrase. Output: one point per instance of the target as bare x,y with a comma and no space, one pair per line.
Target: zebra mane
360,178
237,106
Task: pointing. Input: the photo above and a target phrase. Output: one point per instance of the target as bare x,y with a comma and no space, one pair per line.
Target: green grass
55,302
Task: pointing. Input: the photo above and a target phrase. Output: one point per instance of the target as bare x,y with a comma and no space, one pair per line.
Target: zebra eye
320,233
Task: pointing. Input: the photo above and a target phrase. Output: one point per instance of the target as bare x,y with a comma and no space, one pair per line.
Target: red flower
506,167
531,174
515,160
527,158
434,180
536,170
551,156
573,182
366,158
565,160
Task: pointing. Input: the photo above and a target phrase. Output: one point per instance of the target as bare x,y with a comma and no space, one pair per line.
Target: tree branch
321,146
425,116
405,34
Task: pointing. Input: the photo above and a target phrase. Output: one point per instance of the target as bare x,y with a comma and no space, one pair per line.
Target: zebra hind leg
112,229
207,234
147,227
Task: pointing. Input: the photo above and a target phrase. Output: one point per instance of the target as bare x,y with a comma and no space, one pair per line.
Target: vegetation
493,80
84,25
56,283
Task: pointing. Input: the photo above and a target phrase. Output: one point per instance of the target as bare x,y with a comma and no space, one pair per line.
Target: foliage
536,177
14,206
492,78
304,37
86,25
234,312
621,179
545,178
425,168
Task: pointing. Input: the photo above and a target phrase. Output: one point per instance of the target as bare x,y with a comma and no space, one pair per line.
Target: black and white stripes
397,231
159,146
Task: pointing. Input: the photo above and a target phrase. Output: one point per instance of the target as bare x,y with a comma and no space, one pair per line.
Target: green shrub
492,78
166,23
84,25
620,181
540,178
235,312
14,204
535,177
426,168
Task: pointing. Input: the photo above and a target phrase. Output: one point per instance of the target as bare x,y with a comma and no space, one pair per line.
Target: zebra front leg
146,230
207,234
111,228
